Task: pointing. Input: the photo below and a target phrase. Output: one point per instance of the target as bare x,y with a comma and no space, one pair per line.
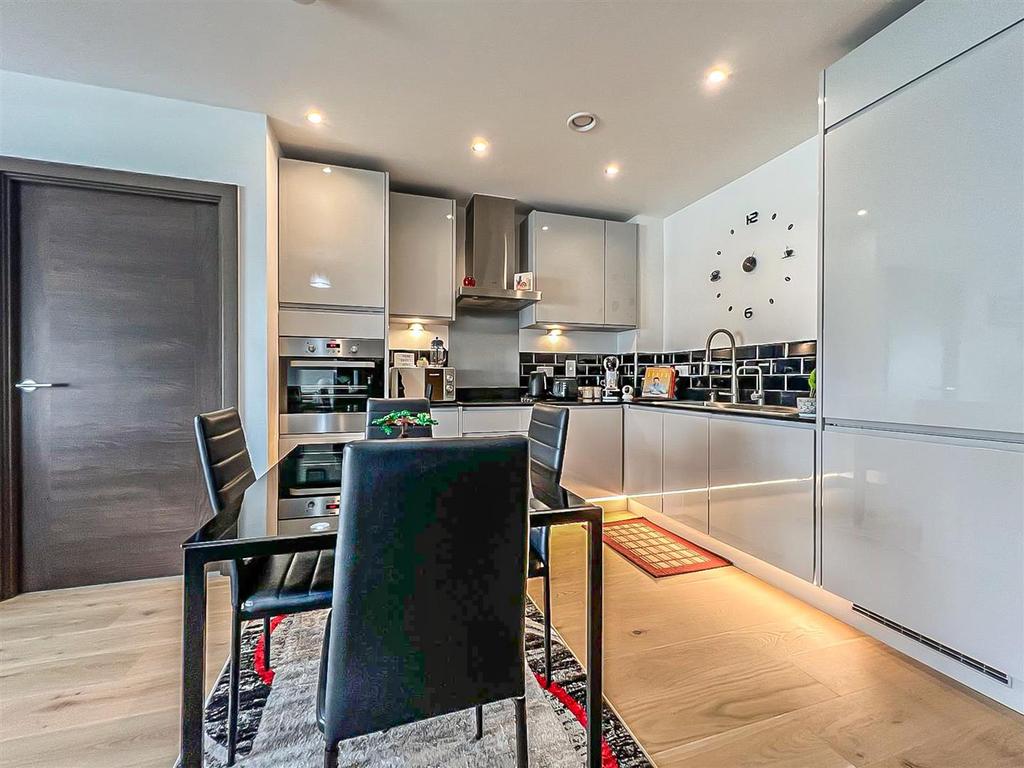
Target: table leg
595,641
193,661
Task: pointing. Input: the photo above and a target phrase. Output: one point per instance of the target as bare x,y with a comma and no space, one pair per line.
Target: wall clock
738,280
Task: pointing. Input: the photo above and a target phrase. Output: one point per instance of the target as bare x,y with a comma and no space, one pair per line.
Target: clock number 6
748,312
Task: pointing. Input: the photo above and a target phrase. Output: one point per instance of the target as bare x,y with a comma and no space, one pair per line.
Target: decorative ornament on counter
627,394
403,420
469,281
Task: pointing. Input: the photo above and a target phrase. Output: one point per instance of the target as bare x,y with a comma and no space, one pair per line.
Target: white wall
66,122
786,186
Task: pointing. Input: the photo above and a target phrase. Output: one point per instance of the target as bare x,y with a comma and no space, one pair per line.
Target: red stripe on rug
711,560
608,759
259,656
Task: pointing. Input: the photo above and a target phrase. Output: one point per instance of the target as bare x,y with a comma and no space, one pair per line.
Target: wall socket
570,368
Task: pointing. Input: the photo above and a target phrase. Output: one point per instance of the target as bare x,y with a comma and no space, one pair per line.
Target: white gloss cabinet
448,421
593,450
496,420
566,255
762,491
685,469
422,258
642,451
929,534
620,278
333,233
924,250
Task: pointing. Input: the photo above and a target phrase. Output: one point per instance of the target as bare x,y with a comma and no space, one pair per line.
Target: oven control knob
310,506
353,349
449,377
449,388
311,347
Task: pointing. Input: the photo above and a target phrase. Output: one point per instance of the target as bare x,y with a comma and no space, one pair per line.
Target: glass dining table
251,530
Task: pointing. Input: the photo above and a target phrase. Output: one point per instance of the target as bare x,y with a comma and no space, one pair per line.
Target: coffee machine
612,394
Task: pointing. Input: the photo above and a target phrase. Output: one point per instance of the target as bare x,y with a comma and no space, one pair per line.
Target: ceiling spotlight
581,122
326,169
314,117
554,333
862,212
479,146
545,228
716,76
611,170
449,216
416,327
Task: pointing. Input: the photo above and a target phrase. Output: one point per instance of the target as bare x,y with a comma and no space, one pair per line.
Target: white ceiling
406,85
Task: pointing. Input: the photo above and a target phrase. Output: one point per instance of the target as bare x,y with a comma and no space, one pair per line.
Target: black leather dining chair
549,427
429,603
261,587
378,407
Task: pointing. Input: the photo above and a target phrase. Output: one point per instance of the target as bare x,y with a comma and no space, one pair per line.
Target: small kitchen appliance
611,380
434,383
438,354
537,388
564,388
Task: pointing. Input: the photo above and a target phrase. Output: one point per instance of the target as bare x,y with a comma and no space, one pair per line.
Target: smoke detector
581,122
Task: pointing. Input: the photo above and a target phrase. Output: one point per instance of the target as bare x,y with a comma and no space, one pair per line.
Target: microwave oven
435,384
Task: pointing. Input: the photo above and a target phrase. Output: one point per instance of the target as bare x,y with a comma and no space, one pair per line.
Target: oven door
322,396
310,481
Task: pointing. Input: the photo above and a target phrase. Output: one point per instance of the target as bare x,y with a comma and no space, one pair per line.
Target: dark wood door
118,297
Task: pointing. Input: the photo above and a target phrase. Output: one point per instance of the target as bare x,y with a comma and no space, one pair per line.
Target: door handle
28,385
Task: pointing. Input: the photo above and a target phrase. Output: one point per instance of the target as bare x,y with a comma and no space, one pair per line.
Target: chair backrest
227,466
549,426
429,581
376,407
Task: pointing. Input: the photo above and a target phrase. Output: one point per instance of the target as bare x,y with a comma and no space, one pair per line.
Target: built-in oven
310,489
325,383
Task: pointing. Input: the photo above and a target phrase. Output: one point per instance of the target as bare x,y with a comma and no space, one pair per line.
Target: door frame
19,170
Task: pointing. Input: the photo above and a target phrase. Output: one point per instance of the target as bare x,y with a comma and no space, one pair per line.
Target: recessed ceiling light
314,117
416,327
611,170
554,333
862,212
318,280
545,227
716,76
449,216
581,122
326,169
479,146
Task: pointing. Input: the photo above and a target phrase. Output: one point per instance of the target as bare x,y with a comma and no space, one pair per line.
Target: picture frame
523,281
659,383
405,359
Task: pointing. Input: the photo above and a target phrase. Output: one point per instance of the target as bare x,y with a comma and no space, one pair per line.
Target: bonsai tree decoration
402,420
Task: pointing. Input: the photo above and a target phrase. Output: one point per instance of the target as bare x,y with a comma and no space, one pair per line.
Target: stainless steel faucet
734,390
758,396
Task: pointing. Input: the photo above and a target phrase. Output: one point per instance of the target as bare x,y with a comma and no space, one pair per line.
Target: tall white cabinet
422,258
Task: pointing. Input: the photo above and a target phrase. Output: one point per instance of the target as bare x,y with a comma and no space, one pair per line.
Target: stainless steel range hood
492,257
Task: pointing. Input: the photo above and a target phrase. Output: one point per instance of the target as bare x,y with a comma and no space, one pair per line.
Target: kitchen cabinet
421,273
585,270
912,322
685,468
448,423
513,420
333,232
593,450
642,456
929,534
620,266
762,491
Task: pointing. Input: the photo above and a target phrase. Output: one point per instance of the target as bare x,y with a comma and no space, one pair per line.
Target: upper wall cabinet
422,258
585,269
333,234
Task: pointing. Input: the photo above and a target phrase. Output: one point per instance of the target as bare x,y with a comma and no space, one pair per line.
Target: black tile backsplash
786,366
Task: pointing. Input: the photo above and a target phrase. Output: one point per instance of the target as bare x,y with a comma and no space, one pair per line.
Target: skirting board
1011,695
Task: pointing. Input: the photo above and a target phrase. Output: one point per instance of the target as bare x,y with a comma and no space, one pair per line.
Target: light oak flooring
709,670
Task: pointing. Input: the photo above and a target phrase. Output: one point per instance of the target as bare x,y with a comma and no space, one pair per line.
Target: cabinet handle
320,527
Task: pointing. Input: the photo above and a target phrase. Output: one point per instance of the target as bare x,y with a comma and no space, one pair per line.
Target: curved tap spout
734,389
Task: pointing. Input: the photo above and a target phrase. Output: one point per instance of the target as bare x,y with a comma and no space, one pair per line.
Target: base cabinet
762,491
593,450
448,424
929,534
685,469
642,452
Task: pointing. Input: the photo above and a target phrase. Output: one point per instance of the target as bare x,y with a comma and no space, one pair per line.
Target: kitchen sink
781,409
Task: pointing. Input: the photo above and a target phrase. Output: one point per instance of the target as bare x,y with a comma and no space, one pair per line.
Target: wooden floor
709,670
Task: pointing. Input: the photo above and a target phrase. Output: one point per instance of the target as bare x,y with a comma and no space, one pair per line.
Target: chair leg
547,626
235,664
479,722
266,641
522,746
331,756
